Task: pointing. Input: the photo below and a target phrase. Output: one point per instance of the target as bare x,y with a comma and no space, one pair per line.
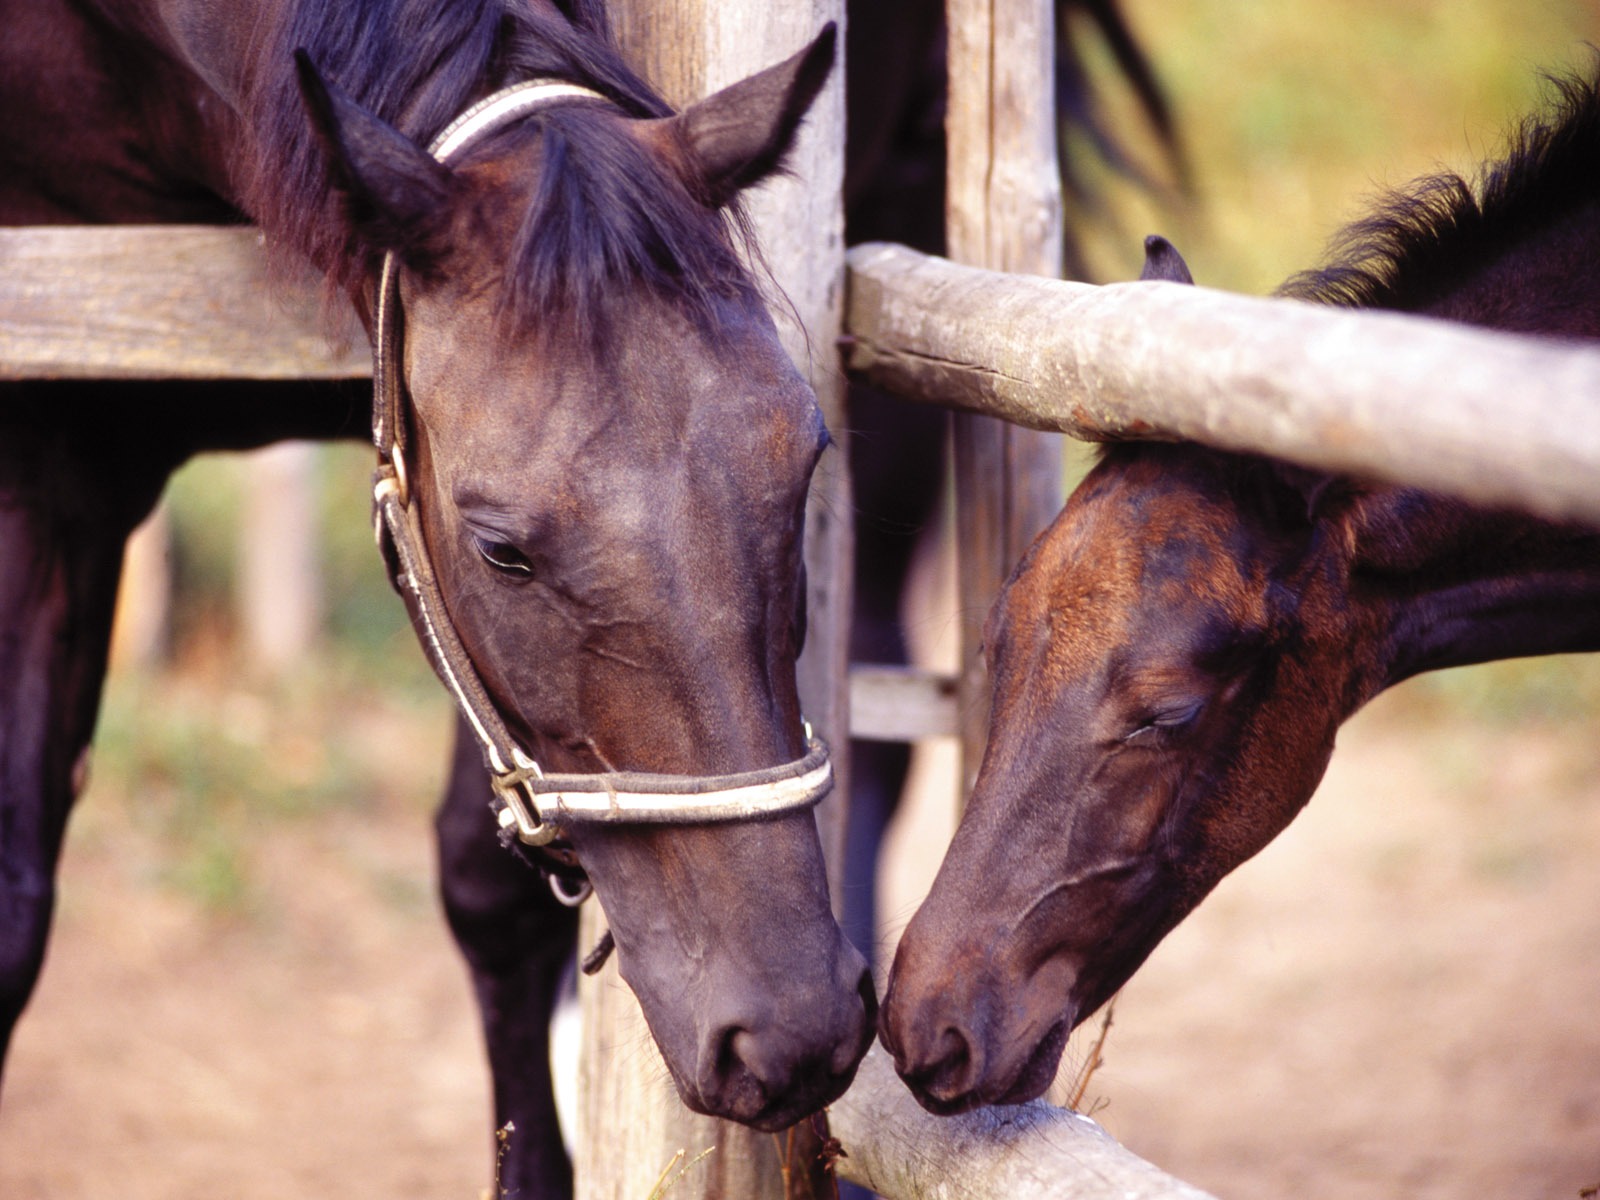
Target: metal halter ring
569,891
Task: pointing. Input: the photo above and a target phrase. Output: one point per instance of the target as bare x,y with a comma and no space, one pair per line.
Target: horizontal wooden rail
901,704
1006,1153
158,302
1492,417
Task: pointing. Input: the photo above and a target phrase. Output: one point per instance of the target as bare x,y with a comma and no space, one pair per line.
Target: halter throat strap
531,807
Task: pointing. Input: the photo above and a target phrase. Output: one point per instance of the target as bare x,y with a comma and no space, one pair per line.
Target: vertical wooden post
280,582
142,630
1003,212
632,1126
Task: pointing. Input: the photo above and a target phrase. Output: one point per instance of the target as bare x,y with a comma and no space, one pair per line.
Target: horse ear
1162,261
739,136
397,197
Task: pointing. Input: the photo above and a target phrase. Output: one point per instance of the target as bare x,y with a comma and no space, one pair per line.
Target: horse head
1170,662
609,452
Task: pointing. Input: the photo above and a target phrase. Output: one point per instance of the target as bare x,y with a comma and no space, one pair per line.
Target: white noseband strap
623,797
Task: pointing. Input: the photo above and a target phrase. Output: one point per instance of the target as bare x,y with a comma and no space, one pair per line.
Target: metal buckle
517,815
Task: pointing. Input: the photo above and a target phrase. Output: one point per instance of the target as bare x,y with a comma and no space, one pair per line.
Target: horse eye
1168,720
503,556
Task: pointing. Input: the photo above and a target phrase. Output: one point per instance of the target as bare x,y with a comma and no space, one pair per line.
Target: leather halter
532,807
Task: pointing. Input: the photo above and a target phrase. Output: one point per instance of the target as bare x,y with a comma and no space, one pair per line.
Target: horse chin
1039,1071
752,1107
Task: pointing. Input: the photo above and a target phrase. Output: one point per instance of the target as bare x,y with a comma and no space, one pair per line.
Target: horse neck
1455,585
1446,585
1543,284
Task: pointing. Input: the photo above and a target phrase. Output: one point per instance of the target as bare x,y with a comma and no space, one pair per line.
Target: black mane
1425,240
604,209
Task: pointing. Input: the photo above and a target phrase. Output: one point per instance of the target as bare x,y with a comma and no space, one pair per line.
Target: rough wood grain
632,1130
1003,212
902,704
158,302
1495,418
633,1120
1016,1152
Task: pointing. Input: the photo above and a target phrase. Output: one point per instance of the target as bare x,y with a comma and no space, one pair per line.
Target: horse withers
595,459
1172,658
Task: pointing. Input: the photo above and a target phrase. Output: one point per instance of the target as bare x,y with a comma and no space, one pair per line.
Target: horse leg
517,938
67,505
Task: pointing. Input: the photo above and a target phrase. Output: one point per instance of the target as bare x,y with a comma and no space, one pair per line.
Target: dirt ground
1400,997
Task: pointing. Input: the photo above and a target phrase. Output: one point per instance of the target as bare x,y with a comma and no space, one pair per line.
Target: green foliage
201,764
363,613
1518,691
1294,113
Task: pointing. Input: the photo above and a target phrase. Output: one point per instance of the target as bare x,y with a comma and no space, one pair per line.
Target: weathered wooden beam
902,704
1493,417
633,1121
158,302
1014,1152
1002,211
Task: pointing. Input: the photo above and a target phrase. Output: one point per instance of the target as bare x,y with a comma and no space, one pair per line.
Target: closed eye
502,556
1165,721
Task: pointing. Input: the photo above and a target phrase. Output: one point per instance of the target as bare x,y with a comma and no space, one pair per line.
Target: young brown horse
602,444
1174,655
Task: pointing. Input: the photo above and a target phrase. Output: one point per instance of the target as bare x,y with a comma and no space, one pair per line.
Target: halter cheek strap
531,807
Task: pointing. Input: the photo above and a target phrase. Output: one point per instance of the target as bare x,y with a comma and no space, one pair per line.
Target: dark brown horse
1173,657
602,446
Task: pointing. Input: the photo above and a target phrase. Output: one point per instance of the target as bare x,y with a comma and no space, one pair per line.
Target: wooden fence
1318,386
1493,417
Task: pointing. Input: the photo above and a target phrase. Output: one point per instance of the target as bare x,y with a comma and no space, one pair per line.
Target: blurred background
250,991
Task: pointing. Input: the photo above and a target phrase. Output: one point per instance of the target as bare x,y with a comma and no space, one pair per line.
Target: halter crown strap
483,118
529,804
501,109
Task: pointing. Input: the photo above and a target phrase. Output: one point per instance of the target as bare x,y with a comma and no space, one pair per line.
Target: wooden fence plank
689,48
158,302
1493,417
1003,211
902,704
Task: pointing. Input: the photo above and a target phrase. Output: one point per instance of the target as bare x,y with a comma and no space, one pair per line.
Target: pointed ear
397,197
739,136
1162,261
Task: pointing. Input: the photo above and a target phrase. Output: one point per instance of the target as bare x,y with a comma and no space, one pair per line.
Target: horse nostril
739,1078
949,1068
954,1051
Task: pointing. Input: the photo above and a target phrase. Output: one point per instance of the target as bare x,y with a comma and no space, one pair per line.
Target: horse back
103,121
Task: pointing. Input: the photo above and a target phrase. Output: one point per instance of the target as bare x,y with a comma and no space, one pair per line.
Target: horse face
612,494
1169,666
622,558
